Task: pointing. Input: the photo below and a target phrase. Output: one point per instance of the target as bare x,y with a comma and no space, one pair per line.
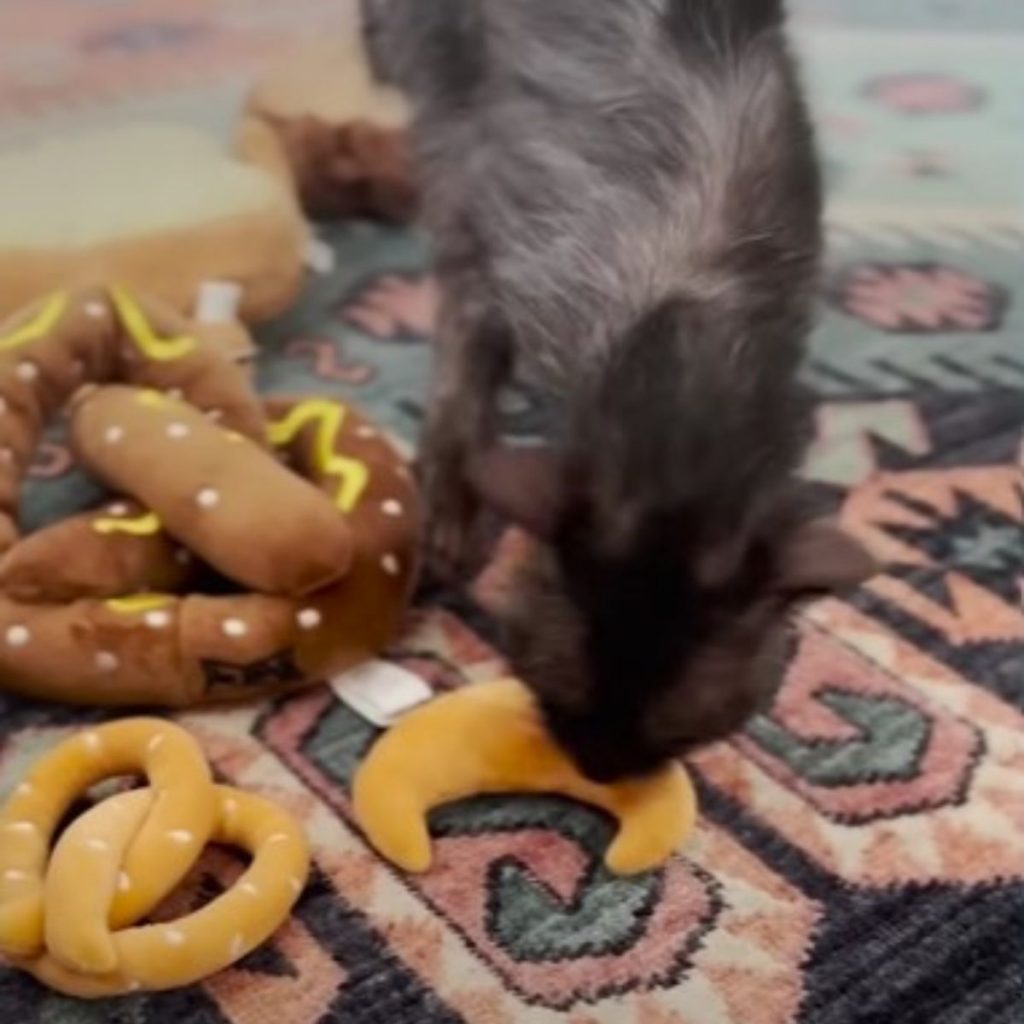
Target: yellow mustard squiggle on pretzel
146,339
40,325
353,474
153,399
138,603
141,526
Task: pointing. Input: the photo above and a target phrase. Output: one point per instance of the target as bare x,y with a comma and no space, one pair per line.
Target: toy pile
251,546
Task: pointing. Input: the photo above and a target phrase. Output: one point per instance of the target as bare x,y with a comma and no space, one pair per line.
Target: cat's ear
818,558
523,483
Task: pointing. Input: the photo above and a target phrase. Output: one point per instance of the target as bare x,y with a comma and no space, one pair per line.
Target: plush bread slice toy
158,207
344,132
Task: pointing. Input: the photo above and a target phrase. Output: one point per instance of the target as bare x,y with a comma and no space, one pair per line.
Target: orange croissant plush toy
488,738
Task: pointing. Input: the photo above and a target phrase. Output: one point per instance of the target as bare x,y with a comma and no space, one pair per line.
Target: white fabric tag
380,691
319,256
218,302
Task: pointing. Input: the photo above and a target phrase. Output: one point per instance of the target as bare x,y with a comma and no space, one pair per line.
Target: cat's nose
599,772
610,764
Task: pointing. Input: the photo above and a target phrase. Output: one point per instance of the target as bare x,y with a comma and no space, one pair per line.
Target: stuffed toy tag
218,302
380,691
319,256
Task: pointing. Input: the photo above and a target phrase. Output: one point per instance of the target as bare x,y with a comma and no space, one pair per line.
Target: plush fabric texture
501,747
92,554
68,909
219,493
162,207
303,504
72,338
859,853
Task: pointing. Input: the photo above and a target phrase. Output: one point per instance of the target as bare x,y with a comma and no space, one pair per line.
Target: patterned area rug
860,856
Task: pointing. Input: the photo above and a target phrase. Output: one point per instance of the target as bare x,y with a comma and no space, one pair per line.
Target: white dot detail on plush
157,619
124,883
237,947
27,371
296,884
249,889
208,497
16,875
234,627
181,836
92,742
390,564
174,937
96,845
22,827
113,434
392,507
18,636
309,618
176,431
118,509
154,744
107,661
95,309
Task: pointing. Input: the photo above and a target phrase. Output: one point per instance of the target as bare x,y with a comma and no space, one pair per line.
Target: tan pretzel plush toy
298,505
70,915
489,738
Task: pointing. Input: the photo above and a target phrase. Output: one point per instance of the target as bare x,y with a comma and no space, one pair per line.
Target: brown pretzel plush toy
301,505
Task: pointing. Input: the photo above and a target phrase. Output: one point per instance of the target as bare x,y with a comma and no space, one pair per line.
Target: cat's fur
624,202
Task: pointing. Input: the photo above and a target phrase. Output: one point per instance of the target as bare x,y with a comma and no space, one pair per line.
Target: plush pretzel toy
70,916
96,609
